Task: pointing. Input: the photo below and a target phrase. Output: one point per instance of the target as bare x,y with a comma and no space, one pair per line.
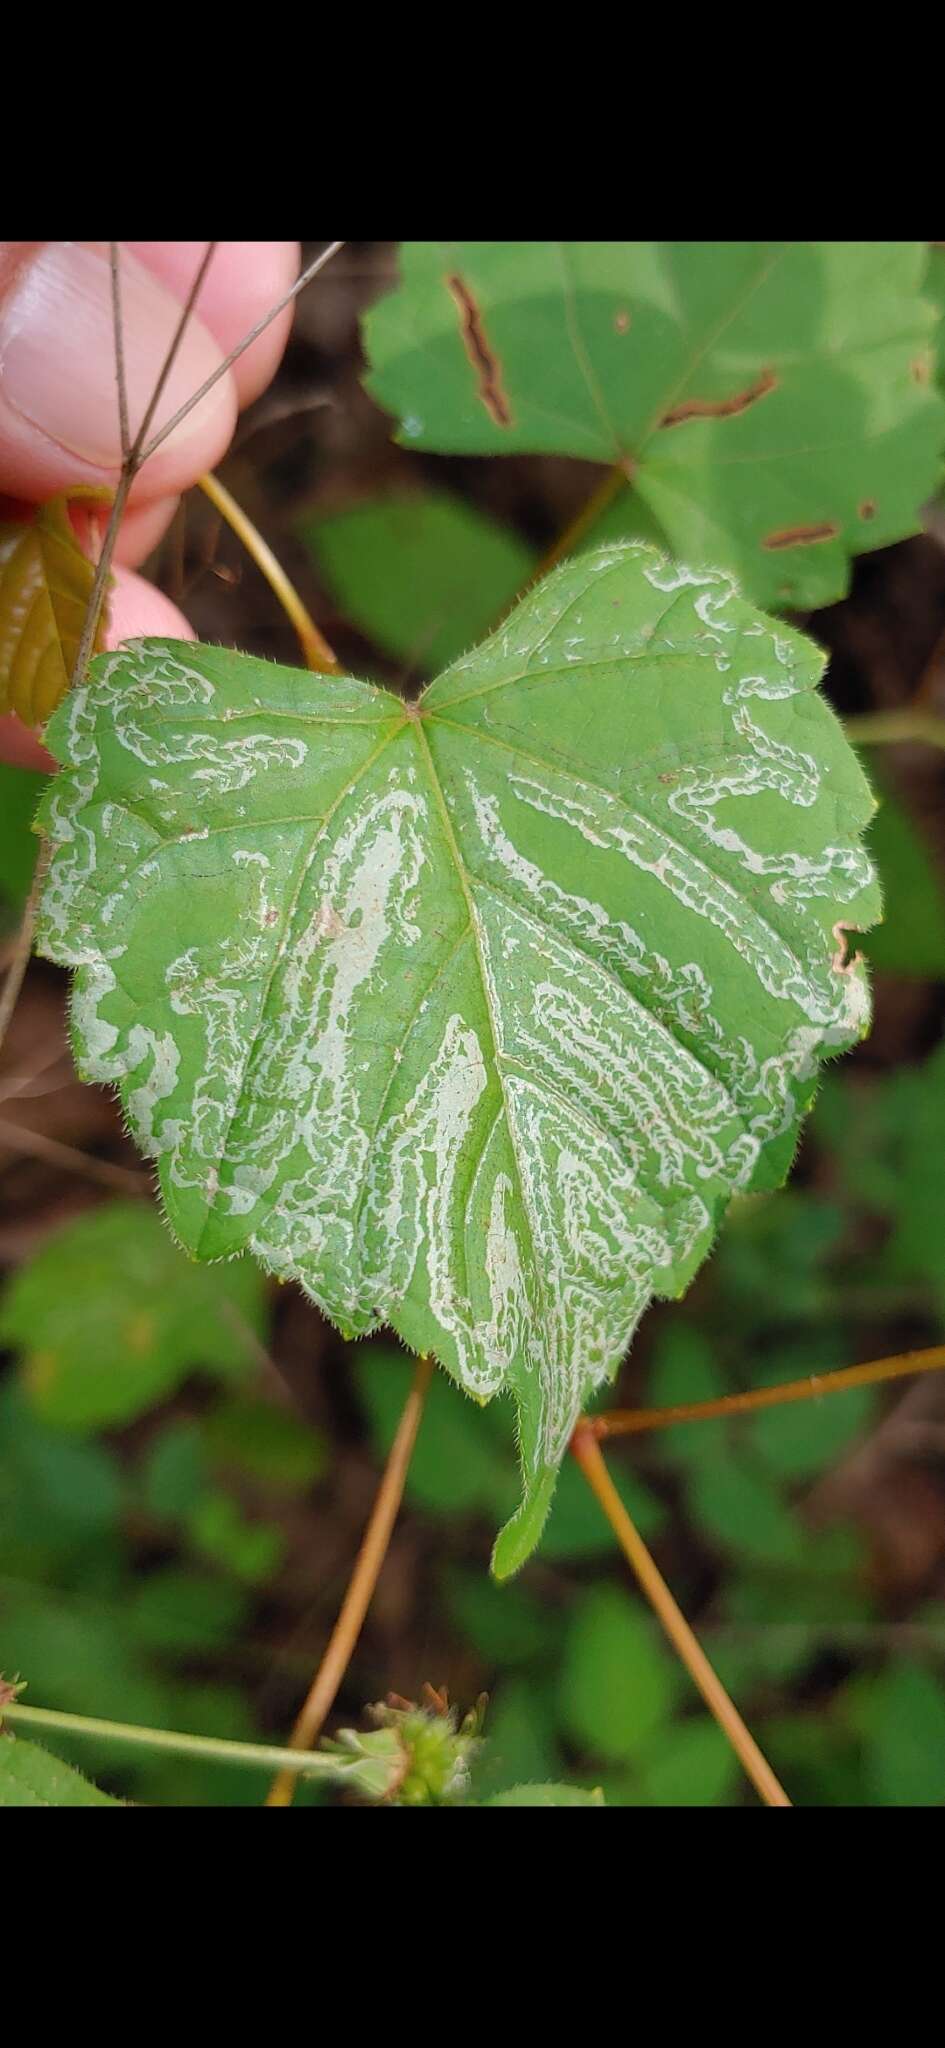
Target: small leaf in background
917,1246
111,1317
617,1683
546,1795
905,1737
521,1740
424,577
683,1373
772,403
45,585
175,1472
251,1550
911,938
506,1625
30,1776
20,791
178,1611
742,1510
689,1764
266,1443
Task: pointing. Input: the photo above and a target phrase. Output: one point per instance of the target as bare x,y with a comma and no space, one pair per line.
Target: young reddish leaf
45,585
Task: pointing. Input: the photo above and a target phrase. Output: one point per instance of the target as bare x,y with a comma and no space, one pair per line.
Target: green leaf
30,1776
457,1465
546,1795
935,290
470,1016
742,1510
617,1684
505,1625
111,1318
917,1247
178,1612
905,1756
251,1550
690,1764
175,1472
267,1443
20,791
771,402
911,938
421,576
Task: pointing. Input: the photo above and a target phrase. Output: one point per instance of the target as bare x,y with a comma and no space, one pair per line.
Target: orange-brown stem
361,1585
634,1421
587,1452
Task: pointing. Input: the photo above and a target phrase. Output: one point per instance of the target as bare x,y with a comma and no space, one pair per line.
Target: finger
243,281
58,399
137,612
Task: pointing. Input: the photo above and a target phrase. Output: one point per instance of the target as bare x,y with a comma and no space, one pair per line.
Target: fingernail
57,351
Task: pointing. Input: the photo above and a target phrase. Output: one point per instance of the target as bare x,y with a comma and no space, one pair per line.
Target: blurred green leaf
905,1748
741,1510
175,1474
918,1244
20,791
521,1743
30,1776
252,1550
178,1611
506,1625
424,577
690,1764
911,940
616,1684
111,1316
266,1442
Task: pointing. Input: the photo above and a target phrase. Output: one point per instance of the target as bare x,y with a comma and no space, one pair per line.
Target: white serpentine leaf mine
471,1016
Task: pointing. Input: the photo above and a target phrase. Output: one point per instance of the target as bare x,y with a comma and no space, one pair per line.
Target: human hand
58,397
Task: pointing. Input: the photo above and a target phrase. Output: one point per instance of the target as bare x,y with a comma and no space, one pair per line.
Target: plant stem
887,728
23,944
361,1584
600,498
319,657
633,1421
250,1755
587,1453
253,335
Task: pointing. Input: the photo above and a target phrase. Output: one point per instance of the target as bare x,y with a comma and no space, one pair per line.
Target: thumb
59,421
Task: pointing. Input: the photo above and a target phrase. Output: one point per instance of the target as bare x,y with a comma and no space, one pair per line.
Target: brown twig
37,1146
588,1456
634,1421
319,657
253,335
361,1584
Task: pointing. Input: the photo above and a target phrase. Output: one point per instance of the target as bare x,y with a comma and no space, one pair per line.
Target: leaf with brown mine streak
801,536
720,408
484,361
